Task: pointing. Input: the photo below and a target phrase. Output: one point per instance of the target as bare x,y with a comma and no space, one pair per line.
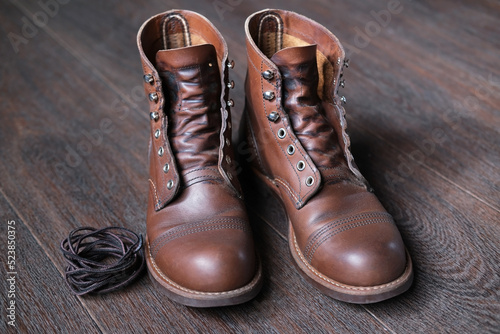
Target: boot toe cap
206,263
364,256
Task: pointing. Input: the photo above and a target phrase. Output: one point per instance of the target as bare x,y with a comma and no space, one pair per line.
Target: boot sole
194,298
332,288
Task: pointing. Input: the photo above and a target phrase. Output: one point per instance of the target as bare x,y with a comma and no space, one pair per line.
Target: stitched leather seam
194,231
167,196
154,191
338,222
343,229
290,190
195,224
201,179
330,281
253,144
191,225
335,176
201,168
333,224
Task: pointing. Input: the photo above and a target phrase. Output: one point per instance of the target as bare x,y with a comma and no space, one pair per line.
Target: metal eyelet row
229,103
343,99
270,95
273,117
155,116
230,84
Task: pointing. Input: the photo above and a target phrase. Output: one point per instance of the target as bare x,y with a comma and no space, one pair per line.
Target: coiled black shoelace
102,260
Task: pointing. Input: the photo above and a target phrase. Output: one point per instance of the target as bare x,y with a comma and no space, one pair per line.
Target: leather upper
340,227
197,227
150,40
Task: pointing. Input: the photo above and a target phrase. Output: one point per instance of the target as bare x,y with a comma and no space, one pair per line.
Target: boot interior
179,30
175,33
273,36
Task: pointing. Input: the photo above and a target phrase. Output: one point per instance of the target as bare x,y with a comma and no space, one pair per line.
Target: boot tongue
299,73
192,89
184,57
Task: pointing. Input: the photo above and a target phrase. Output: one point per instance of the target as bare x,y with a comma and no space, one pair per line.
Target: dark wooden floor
423,94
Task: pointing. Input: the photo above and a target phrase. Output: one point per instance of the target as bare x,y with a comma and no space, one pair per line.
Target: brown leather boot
199,246
341,238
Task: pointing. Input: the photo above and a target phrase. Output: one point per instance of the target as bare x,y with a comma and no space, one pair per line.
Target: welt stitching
336,223
330,281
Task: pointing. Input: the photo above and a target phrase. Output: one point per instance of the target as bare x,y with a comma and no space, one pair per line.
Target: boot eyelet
281,133
342,83
230,64
228,142
148,78
154,116
343,99
166,167
170,184
230,176
230,103
229,125
301,165
160,151
269,95
290,149
228,159
157,133
230,84
153,97
268,75
309,181
273,116
346,63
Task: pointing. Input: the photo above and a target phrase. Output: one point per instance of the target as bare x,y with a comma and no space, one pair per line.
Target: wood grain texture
423,97
39,303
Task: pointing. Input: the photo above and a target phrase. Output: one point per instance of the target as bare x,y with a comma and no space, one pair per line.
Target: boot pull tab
175,31
270,35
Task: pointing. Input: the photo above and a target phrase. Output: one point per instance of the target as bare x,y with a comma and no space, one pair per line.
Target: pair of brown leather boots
199,243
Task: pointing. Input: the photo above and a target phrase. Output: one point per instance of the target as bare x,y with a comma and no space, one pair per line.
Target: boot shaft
295,112
185,64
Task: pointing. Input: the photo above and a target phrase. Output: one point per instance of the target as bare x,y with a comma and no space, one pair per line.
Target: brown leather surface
341,228
199,238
